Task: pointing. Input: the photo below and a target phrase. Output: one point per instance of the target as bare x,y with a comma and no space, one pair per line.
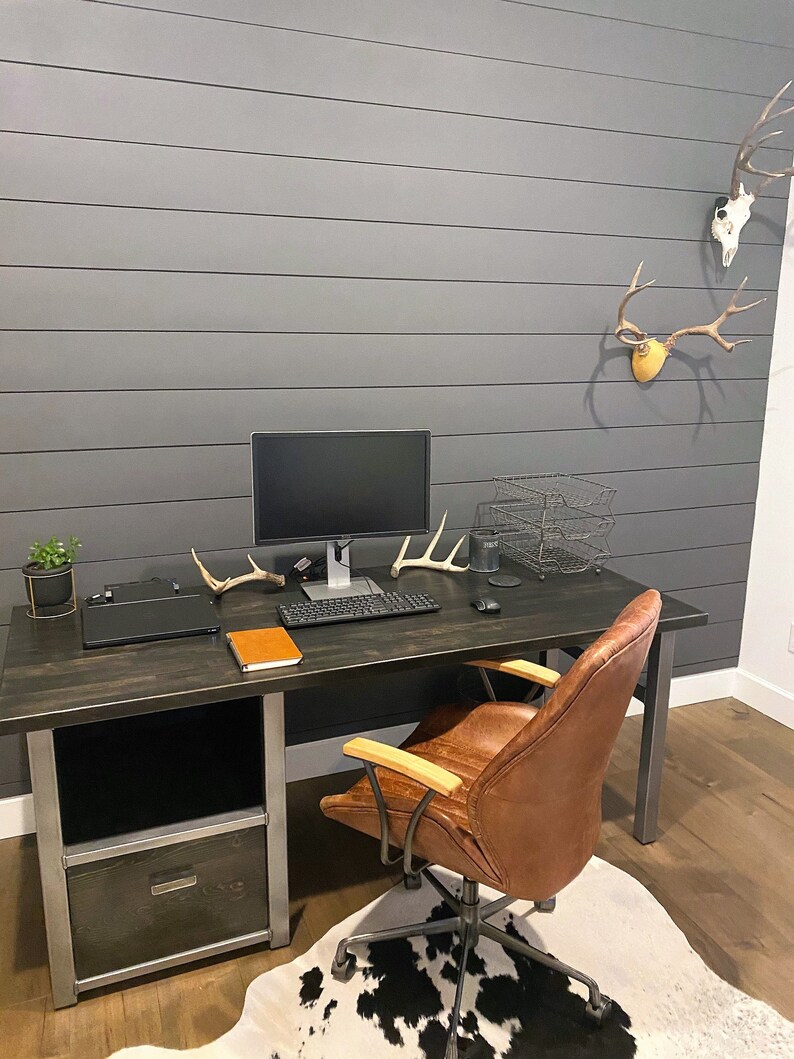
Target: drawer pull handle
174,884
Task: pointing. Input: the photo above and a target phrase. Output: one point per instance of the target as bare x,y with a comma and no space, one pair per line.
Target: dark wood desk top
49,680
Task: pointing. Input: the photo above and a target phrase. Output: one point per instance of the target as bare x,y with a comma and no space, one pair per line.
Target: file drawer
146,905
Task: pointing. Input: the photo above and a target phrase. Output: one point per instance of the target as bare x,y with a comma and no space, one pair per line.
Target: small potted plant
48,572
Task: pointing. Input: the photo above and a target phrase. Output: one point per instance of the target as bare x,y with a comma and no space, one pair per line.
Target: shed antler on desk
219,587
425,560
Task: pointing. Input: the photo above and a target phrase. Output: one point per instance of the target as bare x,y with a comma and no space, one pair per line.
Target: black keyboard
355,608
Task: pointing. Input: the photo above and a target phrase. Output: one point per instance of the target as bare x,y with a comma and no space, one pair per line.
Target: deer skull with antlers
649,354
732,212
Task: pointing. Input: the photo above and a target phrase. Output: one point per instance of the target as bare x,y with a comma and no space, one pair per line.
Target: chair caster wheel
546,906
597,1015
343,972
412,882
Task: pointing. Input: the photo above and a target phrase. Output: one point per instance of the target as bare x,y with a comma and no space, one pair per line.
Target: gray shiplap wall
252,214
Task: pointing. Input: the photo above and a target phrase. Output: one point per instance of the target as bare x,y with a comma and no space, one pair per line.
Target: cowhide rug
667,1003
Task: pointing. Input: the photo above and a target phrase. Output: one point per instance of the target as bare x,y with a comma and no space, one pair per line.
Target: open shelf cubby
159,769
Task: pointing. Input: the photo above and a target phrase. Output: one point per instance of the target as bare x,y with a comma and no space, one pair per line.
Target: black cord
338,552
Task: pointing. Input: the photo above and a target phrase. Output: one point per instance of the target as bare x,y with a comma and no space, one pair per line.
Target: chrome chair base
469,921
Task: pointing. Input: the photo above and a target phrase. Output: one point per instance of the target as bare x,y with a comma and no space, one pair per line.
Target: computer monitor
336,486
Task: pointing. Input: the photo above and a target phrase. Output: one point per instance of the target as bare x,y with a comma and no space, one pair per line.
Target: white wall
766,666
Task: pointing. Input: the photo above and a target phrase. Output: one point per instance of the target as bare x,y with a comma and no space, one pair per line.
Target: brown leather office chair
502,793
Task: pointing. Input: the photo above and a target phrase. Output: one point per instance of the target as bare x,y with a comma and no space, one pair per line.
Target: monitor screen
334,485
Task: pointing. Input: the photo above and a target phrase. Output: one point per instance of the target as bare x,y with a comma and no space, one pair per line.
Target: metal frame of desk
49,681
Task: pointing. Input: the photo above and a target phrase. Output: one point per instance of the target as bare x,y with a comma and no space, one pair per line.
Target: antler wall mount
649,354
219,587
732,211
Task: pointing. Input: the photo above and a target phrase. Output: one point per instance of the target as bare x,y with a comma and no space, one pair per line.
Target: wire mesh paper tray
561,523
544,556
554,522
554,490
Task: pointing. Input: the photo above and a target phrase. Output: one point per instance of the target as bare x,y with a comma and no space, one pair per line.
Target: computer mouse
487,605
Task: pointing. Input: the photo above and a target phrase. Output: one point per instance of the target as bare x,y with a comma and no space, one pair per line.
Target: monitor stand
339,583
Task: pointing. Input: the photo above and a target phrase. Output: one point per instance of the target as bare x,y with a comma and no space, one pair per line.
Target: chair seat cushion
462,739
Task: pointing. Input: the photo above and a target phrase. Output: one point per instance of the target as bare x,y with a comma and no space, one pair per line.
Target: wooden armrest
415,768
518,667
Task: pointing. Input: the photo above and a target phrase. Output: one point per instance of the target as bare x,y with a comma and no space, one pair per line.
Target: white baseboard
635,707
702,687
694,687
16,816
324,756
767,698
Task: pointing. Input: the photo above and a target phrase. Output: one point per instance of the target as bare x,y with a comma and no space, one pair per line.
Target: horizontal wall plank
169,46
13,754
36,481
674,571
337,728
31,360
88,237
188,417
317,713
658,490
721,602
706,666
80,103
13,790
708,642
147,175
126,531
64,299
665,490
124,476
455,459
662,531
479,458
523,33
734,19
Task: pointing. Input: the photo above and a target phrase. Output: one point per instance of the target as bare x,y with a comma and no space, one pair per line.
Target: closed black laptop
112,624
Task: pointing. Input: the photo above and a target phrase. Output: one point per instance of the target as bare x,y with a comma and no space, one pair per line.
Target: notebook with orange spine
257,649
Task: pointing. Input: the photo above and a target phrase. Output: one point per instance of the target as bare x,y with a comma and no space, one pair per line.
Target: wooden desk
50,684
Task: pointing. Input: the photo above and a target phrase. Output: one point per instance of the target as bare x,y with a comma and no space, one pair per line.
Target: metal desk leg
654,730
276,808
41,753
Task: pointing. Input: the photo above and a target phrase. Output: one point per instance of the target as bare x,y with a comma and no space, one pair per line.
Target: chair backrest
536,808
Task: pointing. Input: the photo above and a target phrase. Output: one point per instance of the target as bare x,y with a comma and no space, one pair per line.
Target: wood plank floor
723,869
